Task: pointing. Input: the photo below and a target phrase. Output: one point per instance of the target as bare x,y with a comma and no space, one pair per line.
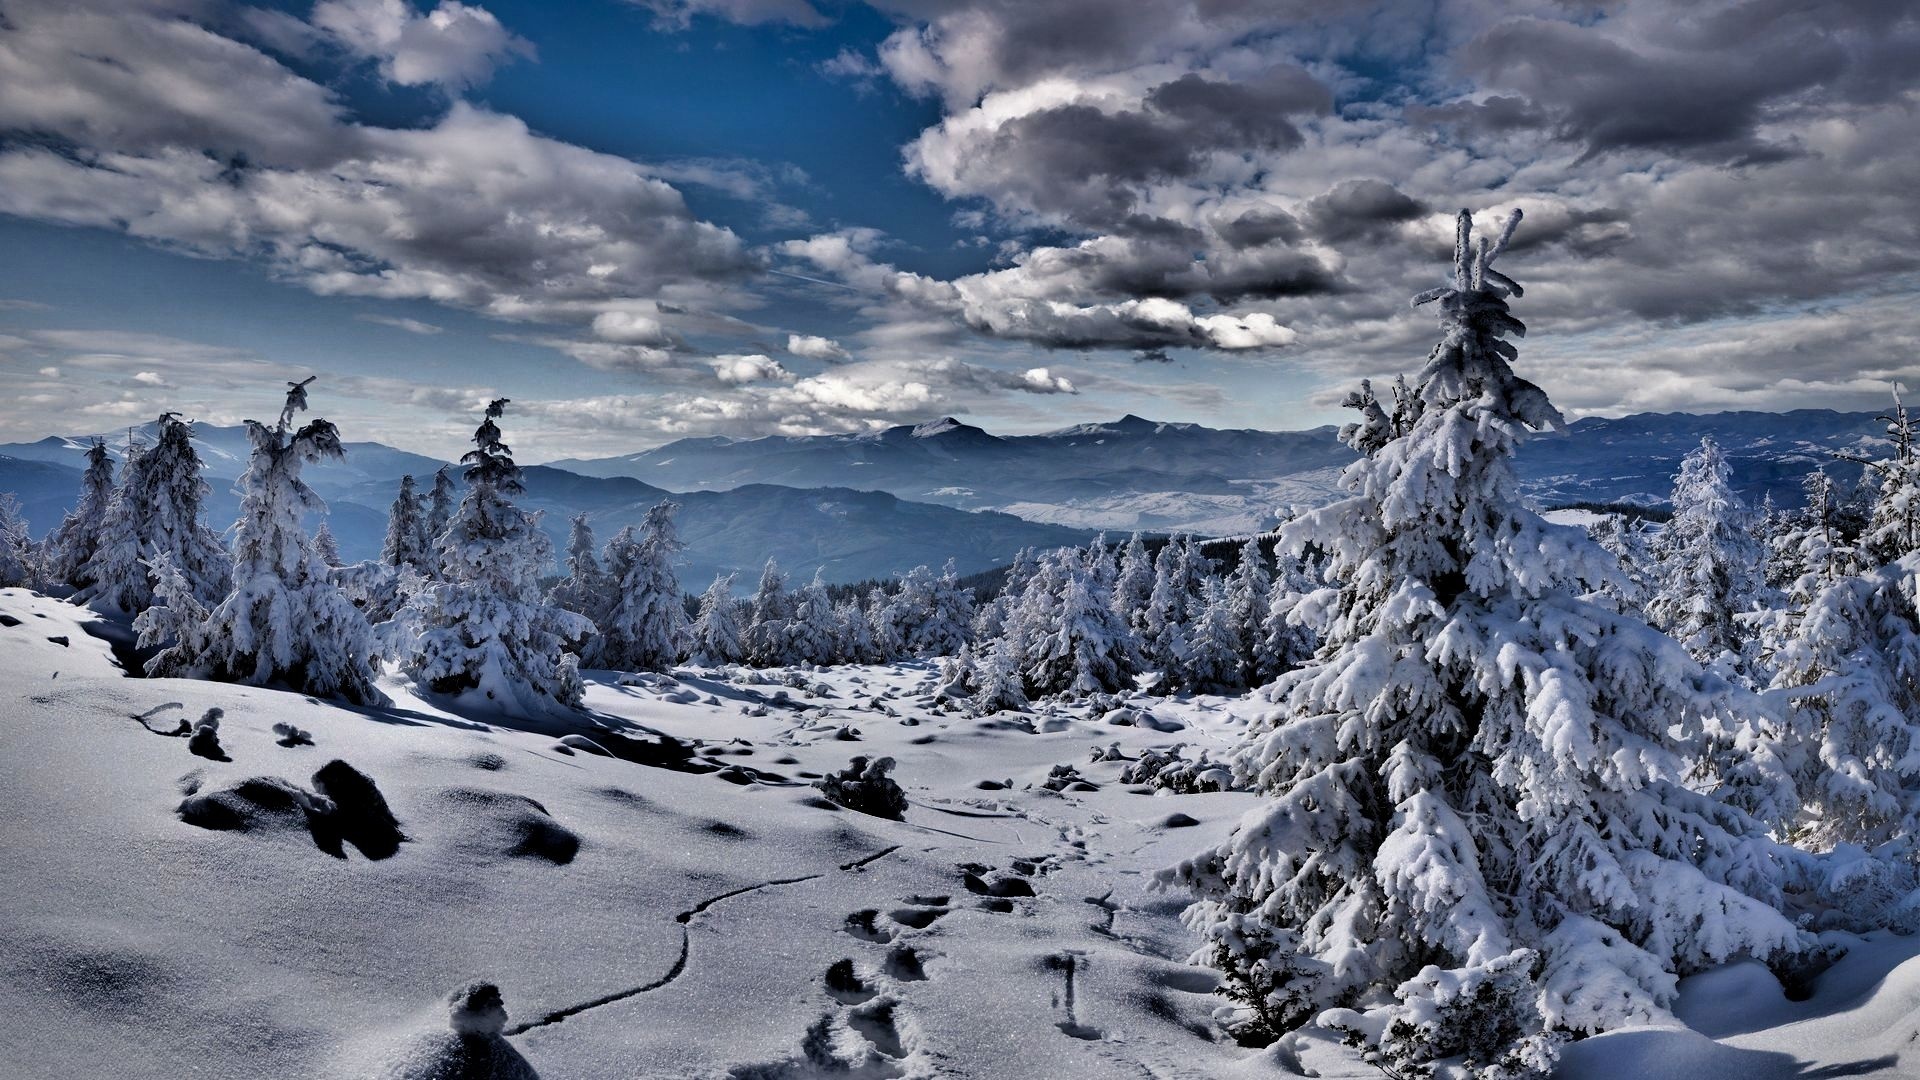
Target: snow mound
499,824
471,1048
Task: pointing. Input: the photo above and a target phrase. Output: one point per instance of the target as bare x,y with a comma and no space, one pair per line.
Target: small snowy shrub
865,786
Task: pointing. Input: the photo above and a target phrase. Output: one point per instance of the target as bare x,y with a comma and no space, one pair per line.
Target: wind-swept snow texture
663,893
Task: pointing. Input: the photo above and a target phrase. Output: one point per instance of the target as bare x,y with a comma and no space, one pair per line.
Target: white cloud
811,347
411,326
737,370
454,45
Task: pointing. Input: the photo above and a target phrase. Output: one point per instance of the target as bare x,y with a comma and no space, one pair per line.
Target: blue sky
643,221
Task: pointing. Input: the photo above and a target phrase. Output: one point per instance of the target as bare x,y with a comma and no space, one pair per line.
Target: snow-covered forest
1420,784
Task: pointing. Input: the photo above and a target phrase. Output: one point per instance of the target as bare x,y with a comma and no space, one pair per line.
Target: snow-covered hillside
657,891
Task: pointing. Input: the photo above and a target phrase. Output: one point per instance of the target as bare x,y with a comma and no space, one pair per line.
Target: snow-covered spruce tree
997,684
588,588
1287,638
1248,598
853,636
889,637
810,634
409,542
440,504
1893,529
646,625
326,547
73,544
1709,562
1476,827
1627,542
717,636
1214,642
1848,681
487,633
175,610
1133,584
768,636
156,509
1086,649
1163,626
937,611
19,562
284,622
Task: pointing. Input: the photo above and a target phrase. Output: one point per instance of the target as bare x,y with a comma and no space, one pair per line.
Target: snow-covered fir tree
997,684
1287,637
1847,678
283,622
155,510
19,562
1709,561
1893,529
1475,832
883,625
326,547
811,636
1627,542
409,539
768,635
645,628
1087,649
1133,584
718,635
1214,643
440,503
853,635
1163,627
936,612
1248,599
175,611
487,631
588,588
72,545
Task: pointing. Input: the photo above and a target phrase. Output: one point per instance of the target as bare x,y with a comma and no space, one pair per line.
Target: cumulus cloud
454,45
736,370
811,347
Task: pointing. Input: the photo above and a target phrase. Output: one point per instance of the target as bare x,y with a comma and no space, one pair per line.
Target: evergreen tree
1628,545
883,625
155,510
440,504
646,626
73,544
1248,600
1286,639
936,611
810,634
284,622
1476,828
1163,633
997,683
326,547
409,539
1709,562
19,563
1848,681
768,636
486,631
1893,529
1214,647
1133,585
1087,650
853,636
716,634
587,589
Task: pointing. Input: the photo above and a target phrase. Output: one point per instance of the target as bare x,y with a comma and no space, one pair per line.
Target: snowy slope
690,913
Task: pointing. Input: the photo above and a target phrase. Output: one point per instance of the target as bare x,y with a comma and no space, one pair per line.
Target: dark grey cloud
1358,208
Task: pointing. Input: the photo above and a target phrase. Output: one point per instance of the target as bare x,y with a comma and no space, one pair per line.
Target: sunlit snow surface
646,920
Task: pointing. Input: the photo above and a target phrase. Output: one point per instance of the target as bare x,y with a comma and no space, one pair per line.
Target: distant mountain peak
940,427
1132,422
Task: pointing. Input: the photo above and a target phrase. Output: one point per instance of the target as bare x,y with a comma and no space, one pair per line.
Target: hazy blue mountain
871,505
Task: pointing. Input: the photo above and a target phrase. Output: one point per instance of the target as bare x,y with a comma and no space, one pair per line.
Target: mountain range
875,504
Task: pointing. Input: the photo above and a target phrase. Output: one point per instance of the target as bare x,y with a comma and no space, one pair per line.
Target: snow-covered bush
865,786
1477,757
